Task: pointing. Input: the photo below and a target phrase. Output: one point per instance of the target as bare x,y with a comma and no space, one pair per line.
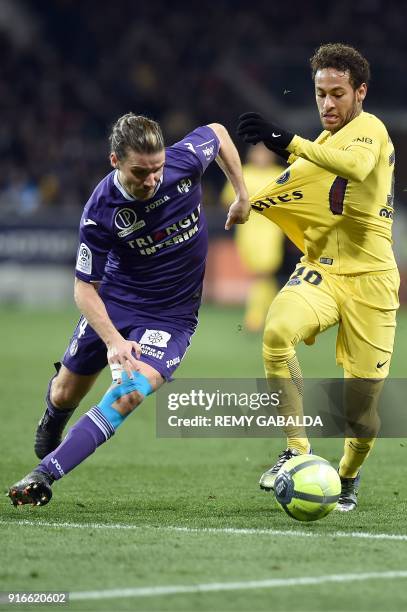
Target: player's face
338,103
140,173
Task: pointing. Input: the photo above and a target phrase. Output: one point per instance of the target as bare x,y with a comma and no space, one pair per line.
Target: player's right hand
123,355
239,212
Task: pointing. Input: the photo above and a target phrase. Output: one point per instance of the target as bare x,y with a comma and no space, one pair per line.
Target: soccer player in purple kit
139,273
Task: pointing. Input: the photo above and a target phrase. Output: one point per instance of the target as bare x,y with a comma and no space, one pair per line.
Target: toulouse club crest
184,185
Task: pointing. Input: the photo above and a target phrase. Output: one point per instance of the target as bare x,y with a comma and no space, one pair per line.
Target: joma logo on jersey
126,221
286,197
156,203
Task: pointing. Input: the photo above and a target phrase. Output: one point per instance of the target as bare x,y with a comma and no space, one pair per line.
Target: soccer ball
307,487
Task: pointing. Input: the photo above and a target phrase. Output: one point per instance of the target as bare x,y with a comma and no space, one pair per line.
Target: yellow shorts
365,307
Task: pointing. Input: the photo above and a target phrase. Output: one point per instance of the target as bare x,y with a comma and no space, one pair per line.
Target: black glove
283,153
253,128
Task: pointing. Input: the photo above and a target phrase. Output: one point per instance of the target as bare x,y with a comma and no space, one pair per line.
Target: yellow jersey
335,201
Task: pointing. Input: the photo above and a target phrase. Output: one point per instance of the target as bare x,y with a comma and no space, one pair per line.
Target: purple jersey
150,255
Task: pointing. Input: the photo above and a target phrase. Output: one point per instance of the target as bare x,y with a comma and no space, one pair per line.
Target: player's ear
361,92
114,160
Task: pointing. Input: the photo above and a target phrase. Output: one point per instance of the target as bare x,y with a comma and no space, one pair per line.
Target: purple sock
82,440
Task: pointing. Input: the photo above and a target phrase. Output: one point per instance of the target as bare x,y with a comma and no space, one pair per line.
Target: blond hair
135,132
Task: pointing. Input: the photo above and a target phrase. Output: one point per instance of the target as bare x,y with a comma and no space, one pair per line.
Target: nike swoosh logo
380,365
89,222
276,135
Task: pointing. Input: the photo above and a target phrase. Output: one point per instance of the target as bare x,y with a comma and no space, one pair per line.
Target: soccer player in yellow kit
335,202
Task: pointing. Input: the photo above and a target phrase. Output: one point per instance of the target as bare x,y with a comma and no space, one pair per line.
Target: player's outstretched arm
229,161
119,350
356,163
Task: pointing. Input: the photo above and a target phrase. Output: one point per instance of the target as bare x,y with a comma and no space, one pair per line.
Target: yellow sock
356,450
289,320
285,375
361,408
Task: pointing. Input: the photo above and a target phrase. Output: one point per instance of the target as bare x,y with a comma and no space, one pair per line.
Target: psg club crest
283,178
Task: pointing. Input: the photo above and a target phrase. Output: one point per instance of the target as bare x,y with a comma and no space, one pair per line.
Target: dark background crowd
68,69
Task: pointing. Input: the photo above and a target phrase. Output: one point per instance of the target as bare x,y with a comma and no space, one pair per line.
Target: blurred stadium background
68,70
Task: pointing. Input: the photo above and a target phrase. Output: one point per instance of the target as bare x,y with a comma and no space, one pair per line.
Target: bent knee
63,395
278,334
127,403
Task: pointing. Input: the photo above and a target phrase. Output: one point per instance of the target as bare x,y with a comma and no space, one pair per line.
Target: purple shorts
163,342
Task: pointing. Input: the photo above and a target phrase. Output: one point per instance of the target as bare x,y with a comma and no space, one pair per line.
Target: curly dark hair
344,58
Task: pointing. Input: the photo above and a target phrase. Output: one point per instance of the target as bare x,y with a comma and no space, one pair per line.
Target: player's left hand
122,356
239,212
253,128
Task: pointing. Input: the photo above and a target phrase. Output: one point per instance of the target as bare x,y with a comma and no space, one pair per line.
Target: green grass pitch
161,508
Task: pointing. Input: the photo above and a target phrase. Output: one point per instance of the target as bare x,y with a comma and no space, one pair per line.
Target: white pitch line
293,532
214,530
232,586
